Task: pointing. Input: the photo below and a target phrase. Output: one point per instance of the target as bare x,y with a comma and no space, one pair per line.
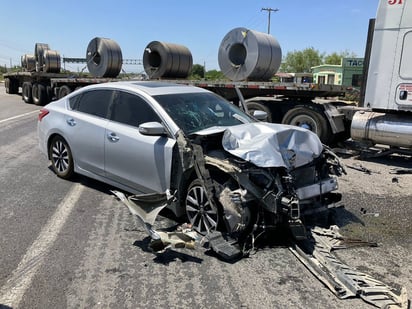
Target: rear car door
86,128
138,161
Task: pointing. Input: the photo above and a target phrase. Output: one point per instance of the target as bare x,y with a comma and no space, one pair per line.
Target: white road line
18,116
12,292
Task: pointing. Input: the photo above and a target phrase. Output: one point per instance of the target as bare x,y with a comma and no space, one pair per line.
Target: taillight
43,113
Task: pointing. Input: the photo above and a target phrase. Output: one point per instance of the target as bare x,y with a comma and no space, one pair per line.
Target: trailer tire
64,90
7,85
39,94
49,91
256,106
309,118
12,86
27,92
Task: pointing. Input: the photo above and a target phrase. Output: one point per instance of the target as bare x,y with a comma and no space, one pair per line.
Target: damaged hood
272,145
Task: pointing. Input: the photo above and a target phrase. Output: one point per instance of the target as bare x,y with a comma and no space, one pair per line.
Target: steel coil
51,60
104,58
39,50
248,54
162,59
28,62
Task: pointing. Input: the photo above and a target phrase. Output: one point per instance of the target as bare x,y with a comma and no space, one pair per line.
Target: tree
198,72
333,58
301,61
214,75
336,58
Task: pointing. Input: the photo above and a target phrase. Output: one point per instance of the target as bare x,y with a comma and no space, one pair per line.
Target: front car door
140,162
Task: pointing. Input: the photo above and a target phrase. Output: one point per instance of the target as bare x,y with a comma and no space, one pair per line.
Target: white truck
387,117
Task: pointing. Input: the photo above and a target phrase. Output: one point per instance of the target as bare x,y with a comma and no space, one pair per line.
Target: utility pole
269,10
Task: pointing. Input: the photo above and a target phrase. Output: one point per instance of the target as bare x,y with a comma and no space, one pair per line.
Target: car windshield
193,112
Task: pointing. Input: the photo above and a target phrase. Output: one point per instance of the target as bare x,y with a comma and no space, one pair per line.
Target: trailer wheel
7,85
308,118
12,86
49,92
39,94
63,91
27,92
256,106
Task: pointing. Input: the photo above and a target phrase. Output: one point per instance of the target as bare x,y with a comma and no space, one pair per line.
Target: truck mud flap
345,282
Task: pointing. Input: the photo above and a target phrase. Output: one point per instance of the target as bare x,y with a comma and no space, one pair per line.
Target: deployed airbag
272,145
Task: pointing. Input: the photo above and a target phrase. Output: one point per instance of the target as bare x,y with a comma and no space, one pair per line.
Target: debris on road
401,171
316,253
361,168
365,212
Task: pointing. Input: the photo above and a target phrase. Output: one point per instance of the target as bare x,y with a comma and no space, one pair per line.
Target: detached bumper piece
345,282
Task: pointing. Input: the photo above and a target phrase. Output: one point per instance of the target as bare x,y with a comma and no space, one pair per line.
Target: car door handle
71,122
112,137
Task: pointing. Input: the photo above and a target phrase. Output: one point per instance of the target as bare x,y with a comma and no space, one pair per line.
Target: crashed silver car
231,175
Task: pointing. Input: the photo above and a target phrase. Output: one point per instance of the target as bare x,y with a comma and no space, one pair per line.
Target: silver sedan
125,133
226,170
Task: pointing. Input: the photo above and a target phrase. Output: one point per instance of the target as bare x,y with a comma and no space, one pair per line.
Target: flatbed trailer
252,89
289,103
312,106
40,87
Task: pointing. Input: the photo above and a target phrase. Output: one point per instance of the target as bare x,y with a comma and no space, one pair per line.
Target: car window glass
197,111
95,102
132,110
74,102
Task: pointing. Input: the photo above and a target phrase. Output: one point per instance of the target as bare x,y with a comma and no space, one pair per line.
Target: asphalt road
71,244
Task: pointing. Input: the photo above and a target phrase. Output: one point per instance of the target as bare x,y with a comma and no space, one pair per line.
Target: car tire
61,158
202,214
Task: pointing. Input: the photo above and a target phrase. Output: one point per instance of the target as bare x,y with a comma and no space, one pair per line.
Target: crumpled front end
254,177
278,175
266,197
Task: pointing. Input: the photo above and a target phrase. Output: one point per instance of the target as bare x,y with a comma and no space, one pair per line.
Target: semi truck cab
388,94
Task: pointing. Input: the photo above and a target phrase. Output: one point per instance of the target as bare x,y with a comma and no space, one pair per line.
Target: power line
269,10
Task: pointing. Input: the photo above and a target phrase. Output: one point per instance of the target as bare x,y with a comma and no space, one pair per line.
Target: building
298,78
348,73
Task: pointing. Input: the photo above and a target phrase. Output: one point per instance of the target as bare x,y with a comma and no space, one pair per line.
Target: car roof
152,88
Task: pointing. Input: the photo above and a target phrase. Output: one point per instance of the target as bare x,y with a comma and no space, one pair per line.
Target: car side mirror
152,129
260,115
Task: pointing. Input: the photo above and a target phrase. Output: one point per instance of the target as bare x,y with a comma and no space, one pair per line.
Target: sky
68,26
